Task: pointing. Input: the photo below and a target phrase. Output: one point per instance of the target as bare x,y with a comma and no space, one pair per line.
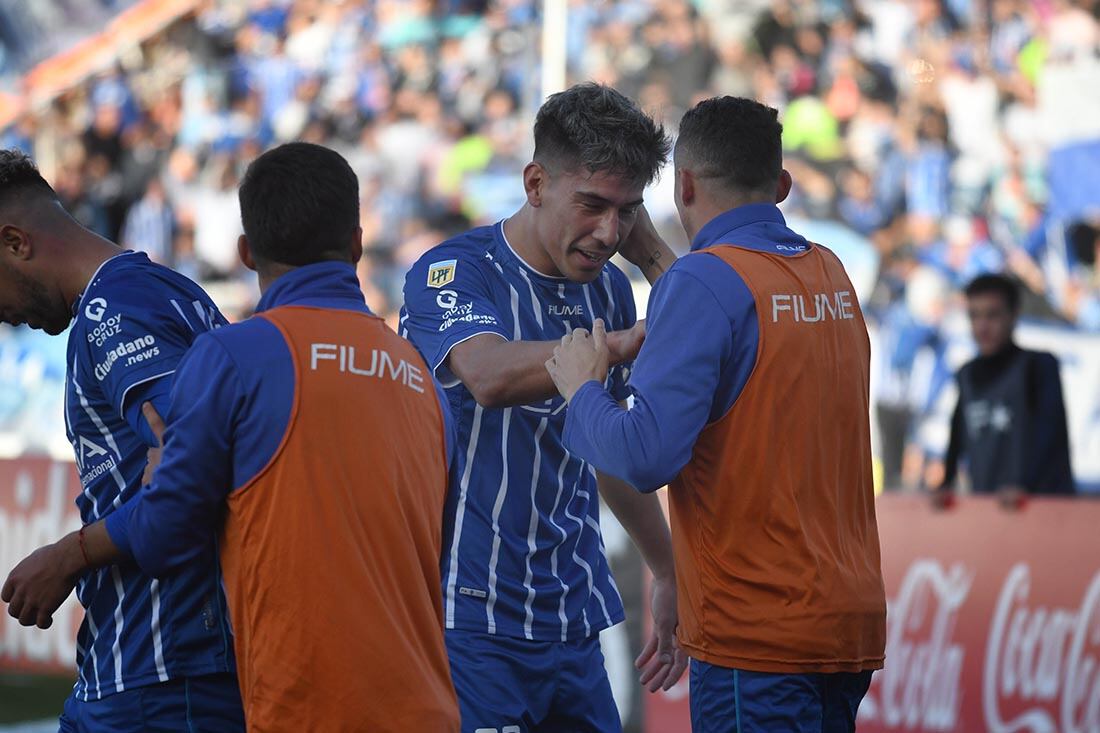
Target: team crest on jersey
441,273
95,309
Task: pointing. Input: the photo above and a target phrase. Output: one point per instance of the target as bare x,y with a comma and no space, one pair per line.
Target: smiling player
527,587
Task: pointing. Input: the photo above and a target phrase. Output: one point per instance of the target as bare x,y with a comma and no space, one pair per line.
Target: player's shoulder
470,246
706,269
250,336
441,264
135,280
1044,360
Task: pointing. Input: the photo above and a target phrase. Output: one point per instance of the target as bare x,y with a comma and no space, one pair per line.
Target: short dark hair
1001,285
734,140
19,175
594,127
299,204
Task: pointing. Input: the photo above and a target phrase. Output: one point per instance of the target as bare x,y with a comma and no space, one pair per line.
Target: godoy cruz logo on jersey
441,273
95,309
137,350
105,330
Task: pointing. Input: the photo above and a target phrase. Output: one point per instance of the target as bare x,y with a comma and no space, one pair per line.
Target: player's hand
942,499
152,456
662,662
580,358
1012,498
624,345
642,241
38,586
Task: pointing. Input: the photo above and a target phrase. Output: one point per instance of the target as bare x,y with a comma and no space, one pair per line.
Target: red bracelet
83,549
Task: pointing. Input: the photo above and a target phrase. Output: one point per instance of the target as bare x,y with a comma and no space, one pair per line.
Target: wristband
83,549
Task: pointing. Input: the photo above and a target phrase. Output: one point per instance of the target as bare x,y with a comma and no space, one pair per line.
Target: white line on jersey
497,507
154,624
554,553
463,488
595,527
95,658
116,648
532,531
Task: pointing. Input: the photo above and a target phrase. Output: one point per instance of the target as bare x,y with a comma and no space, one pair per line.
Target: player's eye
629,211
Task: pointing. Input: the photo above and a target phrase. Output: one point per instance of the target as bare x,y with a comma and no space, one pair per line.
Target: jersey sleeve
132,338
448,300
694,338
172,521
626,315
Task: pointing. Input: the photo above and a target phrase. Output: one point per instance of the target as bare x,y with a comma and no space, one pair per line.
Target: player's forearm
645,249
655,258
506,373
502,373
643,519
94,550
629,444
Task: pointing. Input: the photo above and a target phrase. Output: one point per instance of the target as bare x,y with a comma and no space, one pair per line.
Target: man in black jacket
1010,421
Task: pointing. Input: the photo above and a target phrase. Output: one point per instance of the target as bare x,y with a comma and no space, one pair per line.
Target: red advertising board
994,621
36,508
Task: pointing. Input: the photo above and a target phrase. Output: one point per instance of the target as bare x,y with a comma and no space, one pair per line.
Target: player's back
132,325
331,552
781,572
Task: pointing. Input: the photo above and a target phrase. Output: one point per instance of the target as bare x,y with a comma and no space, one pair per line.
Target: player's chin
54,327
583,268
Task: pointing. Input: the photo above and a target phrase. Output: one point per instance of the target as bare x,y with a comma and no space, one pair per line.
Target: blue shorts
507,685
736,701
207,704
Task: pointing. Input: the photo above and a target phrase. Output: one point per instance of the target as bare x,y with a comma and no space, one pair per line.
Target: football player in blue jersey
527,587
150,653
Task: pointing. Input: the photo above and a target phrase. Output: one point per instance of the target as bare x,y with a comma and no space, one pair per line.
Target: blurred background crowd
930,141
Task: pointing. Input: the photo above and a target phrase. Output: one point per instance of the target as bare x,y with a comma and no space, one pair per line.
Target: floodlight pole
554,59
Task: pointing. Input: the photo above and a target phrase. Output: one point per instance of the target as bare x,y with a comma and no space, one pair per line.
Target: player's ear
245,253
685,181
15,242
535,179
357,246
783,190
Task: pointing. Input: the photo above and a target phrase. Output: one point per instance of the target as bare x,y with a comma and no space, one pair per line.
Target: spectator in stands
908,118
1010,421
150,225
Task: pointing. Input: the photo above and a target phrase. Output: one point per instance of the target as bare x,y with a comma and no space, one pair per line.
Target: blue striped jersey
132,325
522,552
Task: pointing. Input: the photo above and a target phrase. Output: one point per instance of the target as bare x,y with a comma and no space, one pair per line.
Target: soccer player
527,587
1010,421
315,437
751,398
146,646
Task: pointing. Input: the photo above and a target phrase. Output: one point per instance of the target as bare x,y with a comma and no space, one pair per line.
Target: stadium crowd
939,133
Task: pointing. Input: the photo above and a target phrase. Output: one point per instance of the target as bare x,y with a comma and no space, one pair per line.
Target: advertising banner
36,508
993,623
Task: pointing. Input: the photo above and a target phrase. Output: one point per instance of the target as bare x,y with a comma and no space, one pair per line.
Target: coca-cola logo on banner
922,691
1039,667
993,622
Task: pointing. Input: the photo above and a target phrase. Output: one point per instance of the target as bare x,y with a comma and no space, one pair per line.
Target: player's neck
522,237
86,252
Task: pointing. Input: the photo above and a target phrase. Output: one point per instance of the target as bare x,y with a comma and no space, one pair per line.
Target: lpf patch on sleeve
441,273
